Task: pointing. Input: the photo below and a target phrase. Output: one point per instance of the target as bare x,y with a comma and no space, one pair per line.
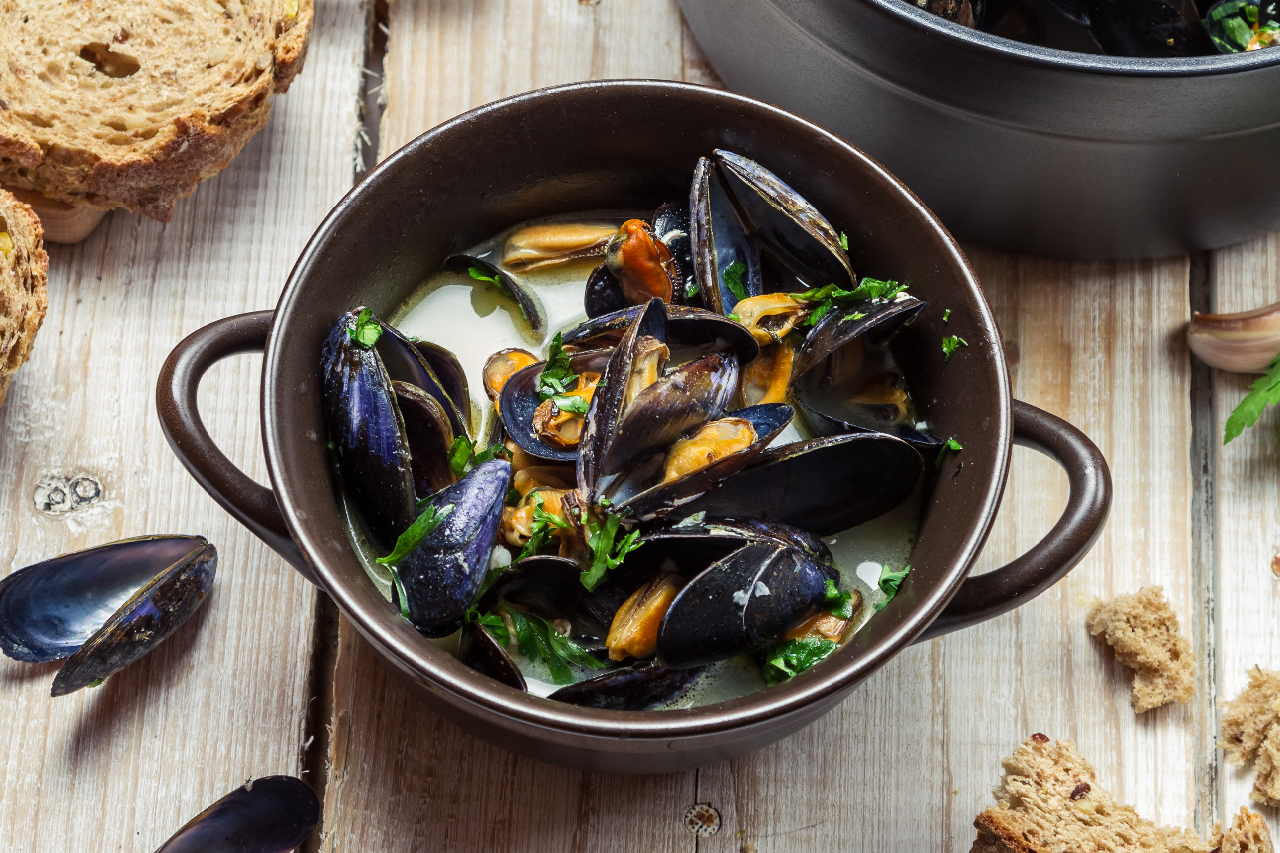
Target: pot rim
445,673
1053,59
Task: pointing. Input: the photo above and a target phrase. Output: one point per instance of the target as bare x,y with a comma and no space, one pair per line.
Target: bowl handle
984,596
252,505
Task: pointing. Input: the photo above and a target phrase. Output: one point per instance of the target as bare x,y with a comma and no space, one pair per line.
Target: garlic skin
1244,342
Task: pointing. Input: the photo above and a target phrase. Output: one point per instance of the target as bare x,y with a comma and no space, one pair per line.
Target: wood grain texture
1248,502
121,767
909,760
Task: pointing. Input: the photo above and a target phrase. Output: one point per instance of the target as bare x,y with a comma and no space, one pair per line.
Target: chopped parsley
734,317
492,623
1262,393
690,290
557,378
463,455
946,316
794,657
889,583
605,555
947,446
496,280
838,603
733,280
577,405
950,344
544,524
844,242
367,329
538,640
97,682
830,296
423,527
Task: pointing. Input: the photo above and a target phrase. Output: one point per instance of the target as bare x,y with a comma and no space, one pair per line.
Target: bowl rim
441,671
1052,58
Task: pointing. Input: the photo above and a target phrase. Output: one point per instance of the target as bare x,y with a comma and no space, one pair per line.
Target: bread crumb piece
1050,802
1144,631
1248,834
1251,733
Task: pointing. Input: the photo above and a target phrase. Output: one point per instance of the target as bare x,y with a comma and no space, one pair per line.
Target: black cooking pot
1019,147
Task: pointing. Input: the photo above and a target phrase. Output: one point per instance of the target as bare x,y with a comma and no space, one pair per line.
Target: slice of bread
1248,834
131,104
1251,733
1050,802
1144,631
24,269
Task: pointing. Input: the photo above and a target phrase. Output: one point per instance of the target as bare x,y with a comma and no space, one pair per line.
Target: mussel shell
273,814
427,429
768,419
786,224
743,602
478,649
530,306
145,621
685,325
632,688
404,362
740,530
449,372
824,485
822,424
368,434
519,400
881,322
671,225
549,586
50,609
720,239
603,294
443,574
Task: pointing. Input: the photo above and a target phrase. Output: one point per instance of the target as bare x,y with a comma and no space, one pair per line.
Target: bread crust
153,135
24,297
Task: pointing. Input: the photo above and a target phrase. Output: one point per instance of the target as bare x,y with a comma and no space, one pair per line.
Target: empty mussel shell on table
273,814
105,607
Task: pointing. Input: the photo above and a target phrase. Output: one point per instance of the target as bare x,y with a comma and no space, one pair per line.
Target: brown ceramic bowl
630,144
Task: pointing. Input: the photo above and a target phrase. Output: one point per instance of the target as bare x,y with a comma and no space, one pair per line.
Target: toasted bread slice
132,104
1251,733
24,269
1050,802
1144,631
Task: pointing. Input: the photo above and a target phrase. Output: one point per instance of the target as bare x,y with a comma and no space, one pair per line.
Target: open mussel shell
106,607
686,326
768,420
548,586
671,225
519,401
632,688
879,323
686,543
603,294
529,304
368,433
478,649
787,226
824,485
407,361
442,575
743,602
427,429
720,240
822,424
273,814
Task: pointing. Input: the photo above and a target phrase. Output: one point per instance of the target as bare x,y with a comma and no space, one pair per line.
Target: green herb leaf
423,527
557,376
889,583
513,497
544,523
401,597
733,280
1262,393
463,455
950,344
793,657
839,603
946,316
949,445
844,242
690,290
97,682
539,641
367,329
734,317
577,405
492,623
605,555
828,297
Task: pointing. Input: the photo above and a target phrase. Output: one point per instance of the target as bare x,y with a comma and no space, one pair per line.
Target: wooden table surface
269,680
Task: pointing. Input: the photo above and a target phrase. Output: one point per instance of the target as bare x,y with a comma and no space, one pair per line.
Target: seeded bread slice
1144,631
131,104
1248,834
24,269
1050,802
1251,733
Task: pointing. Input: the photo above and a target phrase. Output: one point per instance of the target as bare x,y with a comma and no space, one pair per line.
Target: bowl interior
629,144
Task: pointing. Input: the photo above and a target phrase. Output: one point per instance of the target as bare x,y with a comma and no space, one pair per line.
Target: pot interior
630,144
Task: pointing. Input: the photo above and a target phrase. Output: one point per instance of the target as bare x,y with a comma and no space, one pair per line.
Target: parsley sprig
950,344
827,298
557,378
1262,393
463,456
733,280
367,329
949,445
539,641
421,528
544,524
605,555
794,657
839,604
889,583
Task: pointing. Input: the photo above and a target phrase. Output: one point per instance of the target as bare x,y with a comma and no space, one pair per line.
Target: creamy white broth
473,319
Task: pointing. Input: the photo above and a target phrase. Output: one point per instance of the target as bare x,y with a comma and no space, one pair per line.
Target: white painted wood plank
123,766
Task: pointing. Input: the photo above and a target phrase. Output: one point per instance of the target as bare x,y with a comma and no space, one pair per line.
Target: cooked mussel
273,814
539,246
481,651
432,369
632,688
726,257
603,294
105,607
547,586
671,226
641,263
530,306
427,430
685,327
523,409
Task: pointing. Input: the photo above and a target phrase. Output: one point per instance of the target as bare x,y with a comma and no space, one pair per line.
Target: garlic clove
1244,342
